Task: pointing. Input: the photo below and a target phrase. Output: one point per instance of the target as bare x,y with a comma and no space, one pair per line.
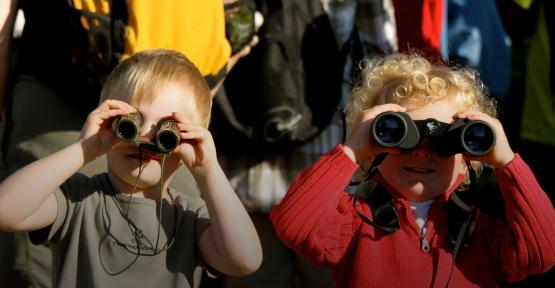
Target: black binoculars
166,140
397,129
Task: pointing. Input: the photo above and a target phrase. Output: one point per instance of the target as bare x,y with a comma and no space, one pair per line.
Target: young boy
322,223
126,228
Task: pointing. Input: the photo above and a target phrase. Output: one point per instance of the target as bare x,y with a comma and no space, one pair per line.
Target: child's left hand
197,148
501,154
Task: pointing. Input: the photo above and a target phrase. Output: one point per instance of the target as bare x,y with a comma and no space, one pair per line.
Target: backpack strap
119,14
461,209
378,199
214,79
222,102
381,205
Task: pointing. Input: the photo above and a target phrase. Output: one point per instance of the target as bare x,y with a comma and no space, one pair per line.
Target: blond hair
409,79
137,78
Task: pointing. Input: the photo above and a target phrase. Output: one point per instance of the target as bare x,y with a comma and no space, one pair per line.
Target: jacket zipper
424,244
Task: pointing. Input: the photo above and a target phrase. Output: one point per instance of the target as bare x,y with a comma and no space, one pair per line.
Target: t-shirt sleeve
202,221
66,199
314,217
201,217
523,242
46,234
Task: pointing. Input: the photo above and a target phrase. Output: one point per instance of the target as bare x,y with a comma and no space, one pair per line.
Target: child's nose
148,130
423,149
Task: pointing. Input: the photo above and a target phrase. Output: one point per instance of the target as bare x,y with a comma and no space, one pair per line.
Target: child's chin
148,177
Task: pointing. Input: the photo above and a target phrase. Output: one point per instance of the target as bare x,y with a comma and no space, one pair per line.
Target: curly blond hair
410,79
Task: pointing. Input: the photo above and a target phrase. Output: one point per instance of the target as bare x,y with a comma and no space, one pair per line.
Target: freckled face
422,173
124,159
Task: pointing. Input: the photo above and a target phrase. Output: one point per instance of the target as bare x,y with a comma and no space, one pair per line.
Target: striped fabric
262,181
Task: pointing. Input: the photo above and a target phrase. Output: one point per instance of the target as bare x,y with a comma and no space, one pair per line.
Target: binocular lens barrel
477,138
390,130
168,137
127,126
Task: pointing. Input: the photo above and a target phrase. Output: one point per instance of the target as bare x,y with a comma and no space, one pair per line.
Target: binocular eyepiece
166,140
397,129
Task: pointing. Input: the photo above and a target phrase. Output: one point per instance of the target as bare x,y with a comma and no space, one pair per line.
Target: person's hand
233,59
359,145
97,135
197,148
258,21
501,154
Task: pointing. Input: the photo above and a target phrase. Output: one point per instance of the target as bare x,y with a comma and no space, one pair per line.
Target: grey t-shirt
95,246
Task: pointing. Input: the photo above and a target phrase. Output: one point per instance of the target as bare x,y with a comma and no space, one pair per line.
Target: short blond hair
136,79
410,79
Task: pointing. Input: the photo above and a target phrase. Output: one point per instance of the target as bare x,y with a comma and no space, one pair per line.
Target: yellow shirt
196,28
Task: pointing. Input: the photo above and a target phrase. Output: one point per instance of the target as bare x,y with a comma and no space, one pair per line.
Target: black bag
71,50
285,92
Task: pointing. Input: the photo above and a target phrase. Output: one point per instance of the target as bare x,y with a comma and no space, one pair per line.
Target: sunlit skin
124,158
229,244
422,174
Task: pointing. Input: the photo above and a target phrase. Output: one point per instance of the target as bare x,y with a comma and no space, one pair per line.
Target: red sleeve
526,244
311,218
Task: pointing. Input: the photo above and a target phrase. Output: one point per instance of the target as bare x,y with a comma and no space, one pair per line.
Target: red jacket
317,219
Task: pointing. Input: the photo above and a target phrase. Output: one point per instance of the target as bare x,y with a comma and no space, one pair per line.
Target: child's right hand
97,136
359,145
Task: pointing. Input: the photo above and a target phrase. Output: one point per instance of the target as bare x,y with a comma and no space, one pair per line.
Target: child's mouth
419,170
144,156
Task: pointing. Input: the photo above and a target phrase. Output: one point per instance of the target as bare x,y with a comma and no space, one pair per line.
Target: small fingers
116,104
371,113
258,20
472,115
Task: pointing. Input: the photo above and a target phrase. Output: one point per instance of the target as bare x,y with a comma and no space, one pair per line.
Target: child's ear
460,165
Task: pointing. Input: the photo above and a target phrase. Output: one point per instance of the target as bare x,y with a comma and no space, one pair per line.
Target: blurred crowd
55,55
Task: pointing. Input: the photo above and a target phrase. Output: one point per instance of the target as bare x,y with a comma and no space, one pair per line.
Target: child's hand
501,154
197,147
97,135
359,146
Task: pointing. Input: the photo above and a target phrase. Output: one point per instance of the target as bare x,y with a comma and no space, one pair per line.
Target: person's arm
7,18
27,200
315,218
524,242
233,59
526,238
230,243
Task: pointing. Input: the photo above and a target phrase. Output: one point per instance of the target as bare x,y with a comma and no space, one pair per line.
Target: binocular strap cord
133,228
371,172
169,243
466,224
343,123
